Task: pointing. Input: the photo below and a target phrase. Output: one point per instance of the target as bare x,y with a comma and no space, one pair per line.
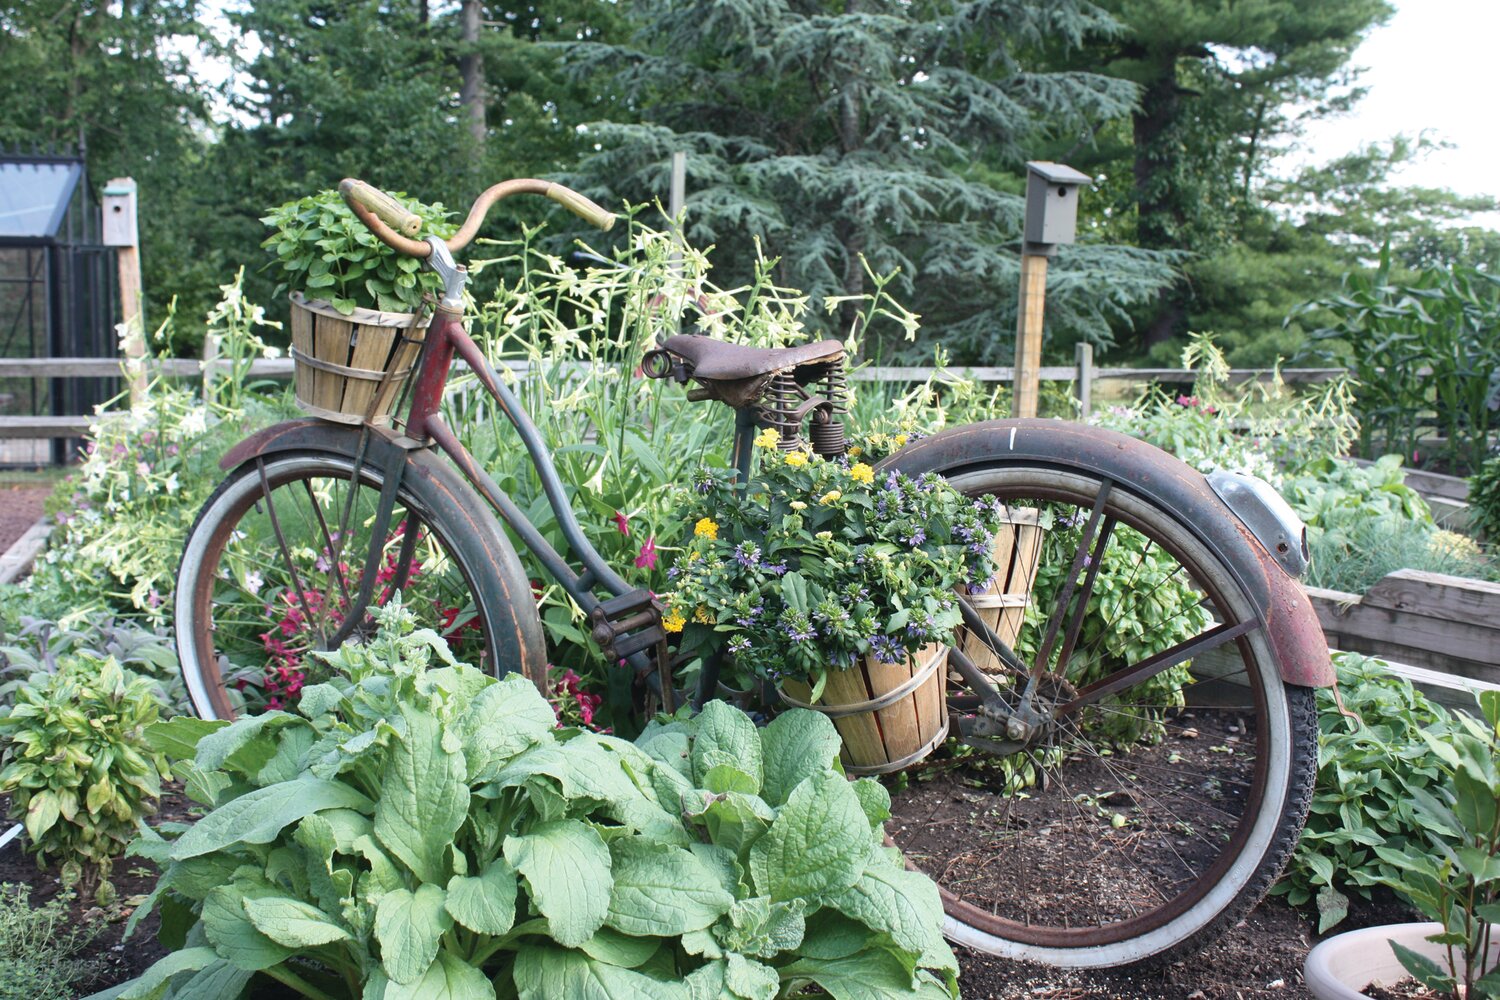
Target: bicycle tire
503,608
1218,888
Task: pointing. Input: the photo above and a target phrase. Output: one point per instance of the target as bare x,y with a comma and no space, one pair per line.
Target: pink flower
623,523
142,469
647,558
172,450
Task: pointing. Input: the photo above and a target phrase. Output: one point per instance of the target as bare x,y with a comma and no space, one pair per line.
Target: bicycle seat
717,360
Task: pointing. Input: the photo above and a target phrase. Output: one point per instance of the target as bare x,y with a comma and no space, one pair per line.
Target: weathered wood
1029,315
1437,595
46,427
17,560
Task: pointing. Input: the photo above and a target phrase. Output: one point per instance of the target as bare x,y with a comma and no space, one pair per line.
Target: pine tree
840,131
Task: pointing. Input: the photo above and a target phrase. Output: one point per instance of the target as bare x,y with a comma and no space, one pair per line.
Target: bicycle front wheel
1140,822
290,556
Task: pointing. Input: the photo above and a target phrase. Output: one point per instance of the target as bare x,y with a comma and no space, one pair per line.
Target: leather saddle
738,374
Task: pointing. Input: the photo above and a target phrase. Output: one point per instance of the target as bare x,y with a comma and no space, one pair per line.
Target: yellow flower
706,527
673,621
826,536
829,497
855,451
694,554
900,441
796,459
862,473
767,438
797,505
702,617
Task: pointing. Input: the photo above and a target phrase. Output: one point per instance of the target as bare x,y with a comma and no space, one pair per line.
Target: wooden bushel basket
350,368
1002,605
890,715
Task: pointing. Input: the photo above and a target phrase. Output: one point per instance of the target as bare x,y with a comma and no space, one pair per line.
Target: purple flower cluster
887,649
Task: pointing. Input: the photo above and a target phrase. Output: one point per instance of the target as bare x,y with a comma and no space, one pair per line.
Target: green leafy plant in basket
322,249
819,563
1458,886
418,829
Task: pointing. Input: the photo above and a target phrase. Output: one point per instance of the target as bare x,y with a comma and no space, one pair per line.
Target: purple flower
747,554
887,649
916,537
739,644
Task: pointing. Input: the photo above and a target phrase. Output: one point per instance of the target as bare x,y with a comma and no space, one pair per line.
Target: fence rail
1083,375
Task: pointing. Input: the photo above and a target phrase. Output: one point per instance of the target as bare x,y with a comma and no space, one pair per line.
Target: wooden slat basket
1002,604
351,368
890,715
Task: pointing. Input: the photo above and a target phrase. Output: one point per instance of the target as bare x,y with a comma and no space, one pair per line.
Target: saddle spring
786,403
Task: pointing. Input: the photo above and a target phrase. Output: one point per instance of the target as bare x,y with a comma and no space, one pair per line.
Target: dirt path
20,506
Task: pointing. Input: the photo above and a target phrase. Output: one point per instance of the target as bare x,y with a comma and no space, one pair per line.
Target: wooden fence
1083,376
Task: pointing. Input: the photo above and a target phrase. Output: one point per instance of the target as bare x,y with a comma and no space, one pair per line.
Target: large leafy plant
419,829
321,249
1374,757
1455,878
818,563
76,764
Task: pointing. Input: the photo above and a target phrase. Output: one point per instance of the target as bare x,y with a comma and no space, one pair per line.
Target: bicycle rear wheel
274,569
1133,828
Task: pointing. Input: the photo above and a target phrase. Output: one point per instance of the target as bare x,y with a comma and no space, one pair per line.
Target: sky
1431,67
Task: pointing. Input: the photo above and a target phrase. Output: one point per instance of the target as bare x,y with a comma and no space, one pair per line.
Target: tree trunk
1159,217
471,68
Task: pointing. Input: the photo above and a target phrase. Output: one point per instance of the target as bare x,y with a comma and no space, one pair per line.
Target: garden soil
20,506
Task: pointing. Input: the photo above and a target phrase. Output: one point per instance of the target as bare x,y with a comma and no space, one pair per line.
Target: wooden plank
1437,595
110,367
46,427
18,559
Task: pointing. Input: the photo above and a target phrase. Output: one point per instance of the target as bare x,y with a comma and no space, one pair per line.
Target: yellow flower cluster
862,473
796,459
706,527
767,438
673,621
830,497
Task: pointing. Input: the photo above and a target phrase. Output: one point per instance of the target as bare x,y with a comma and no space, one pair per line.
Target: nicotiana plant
418,829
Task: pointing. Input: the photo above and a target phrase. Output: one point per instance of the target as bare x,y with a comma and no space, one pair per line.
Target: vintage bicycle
1122,850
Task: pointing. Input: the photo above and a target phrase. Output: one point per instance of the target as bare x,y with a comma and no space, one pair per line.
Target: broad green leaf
902,904
734,820
552,973
178,962
42,813
672,750
662,891
874,800
219,980
1423,969
832,935
567,870
257,817
290,758
409,926
1333,906
613,948
707,981
798,745
178,739
871,975
319,699
503,720
484,903
763,929
747,978
818,845
424,798
447,978
232,934
726,736
292,922
215,748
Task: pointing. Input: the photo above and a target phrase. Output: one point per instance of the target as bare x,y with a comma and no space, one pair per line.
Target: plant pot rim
1342,966
360,315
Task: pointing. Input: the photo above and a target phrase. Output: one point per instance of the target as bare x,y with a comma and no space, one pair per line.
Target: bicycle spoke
1065,597
1153,665
286,553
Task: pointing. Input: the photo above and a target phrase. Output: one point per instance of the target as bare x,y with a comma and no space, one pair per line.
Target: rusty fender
1293,632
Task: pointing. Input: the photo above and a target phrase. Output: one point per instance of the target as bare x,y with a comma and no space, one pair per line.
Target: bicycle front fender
1294,633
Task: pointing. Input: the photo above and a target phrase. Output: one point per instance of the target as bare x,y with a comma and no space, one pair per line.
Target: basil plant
418,829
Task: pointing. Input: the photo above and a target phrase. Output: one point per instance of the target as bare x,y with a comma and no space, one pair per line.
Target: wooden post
677,194
1083,354
120,232
1029,311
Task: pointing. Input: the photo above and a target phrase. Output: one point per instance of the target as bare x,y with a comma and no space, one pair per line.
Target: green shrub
35,644
1484,501
76,764
419,832
1370,769
39,947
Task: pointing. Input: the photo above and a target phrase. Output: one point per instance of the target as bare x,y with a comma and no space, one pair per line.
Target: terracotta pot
1345,964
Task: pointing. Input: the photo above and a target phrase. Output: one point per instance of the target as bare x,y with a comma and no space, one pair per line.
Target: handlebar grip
580,206
387,209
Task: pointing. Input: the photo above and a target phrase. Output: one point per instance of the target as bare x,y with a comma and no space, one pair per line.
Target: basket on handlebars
351,368
1003,602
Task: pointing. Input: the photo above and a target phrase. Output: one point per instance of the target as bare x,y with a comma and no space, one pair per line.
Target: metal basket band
367,374
909,759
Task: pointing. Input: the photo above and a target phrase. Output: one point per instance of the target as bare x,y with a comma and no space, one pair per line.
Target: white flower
253,582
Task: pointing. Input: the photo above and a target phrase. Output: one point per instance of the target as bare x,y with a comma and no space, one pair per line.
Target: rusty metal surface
1295,636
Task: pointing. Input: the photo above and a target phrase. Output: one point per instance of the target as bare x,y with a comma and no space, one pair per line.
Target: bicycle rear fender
482,527
1293,632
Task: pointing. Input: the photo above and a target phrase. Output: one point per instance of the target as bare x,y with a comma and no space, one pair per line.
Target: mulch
20,506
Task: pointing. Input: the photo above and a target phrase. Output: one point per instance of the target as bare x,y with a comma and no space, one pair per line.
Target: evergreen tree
835,131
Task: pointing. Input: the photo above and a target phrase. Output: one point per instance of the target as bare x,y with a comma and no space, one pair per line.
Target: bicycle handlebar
394,225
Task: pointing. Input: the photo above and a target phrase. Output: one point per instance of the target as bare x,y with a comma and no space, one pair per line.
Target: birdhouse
1051,205
119,228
